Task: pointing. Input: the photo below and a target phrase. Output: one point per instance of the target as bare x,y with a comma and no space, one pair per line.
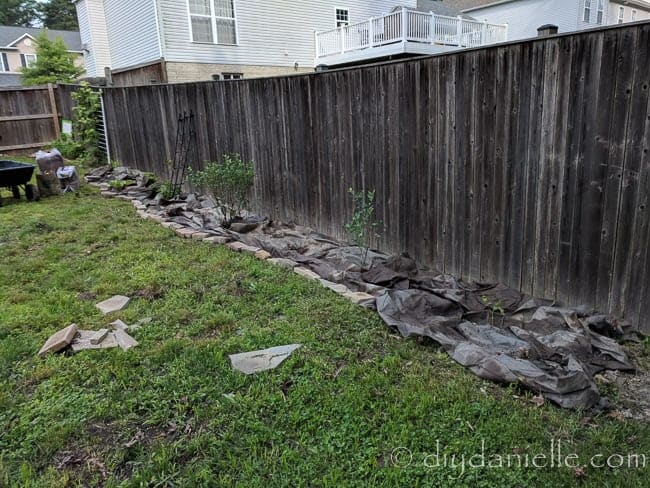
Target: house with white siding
525,16
144,41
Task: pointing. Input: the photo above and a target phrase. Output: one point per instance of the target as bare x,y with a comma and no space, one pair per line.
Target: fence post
316,43
432,28
371,32
459,30
484,33
405,25
55,110
342,38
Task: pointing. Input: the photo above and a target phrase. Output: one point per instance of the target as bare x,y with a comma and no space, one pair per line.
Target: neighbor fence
524,163
30,117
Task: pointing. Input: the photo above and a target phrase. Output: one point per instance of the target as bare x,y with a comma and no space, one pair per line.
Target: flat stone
120,196
99,336
84,340
283,263
307,273
138,204
171,225
113,304
185,232
360,298
241,247
119,325
199,236
124,340
262,360
243,227
59,340
155,217
262,254
142,214
107,194
217,240
335,287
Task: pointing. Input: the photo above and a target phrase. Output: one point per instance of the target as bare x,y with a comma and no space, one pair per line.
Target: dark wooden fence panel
30,117
525,163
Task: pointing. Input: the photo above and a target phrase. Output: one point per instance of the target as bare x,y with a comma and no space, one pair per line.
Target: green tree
18,12
53,63
59,14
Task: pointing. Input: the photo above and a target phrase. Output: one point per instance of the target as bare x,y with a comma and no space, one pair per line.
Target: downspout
161,39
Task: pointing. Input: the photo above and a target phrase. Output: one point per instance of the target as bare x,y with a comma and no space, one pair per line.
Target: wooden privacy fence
525,163
30,116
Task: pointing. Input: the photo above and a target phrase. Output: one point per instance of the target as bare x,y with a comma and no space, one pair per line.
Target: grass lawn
331,415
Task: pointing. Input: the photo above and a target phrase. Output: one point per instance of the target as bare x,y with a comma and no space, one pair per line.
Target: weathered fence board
30,116
525,163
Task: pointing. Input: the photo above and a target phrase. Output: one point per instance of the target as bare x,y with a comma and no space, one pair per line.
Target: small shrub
167,191
229,182
68,147
121,185
363,226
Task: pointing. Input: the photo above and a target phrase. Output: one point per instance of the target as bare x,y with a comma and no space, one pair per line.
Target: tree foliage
18,12
84,123
53,63
59,14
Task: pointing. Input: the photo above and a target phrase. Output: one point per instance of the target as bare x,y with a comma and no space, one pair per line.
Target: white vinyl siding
94,37
525,16
133,32
269,33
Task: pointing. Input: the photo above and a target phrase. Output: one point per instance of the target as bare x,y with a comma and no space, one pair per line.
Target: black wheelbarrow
14,175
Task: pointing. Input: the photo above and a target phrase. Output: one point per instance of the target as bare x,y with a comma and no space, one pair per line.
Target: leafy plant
229,182
168,191
363,226
121,185
68,147
493,308
84,126
53,63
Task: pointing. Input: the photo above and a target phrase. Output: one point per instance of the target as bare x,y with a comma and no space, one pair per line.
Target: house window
4,63
232,76
213,21
27,59
621,14
587,13
601,11
633,15
342,17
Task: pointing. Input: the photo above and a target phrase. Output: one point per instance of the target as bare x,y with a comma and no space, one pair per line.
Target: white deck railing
409,26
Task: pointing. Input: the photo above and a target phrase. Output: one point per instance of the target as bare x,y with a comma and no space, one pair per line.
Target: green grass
331,415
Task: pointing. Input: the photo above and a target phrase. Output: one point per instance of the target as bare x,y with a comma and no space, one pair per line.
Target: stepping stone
59,340
119,325
124,340
241,247
217,240
200,235
100,335
335,287
360,298
262,254
262,360
155,217
114,304
185,232
307,273
283,263
84,340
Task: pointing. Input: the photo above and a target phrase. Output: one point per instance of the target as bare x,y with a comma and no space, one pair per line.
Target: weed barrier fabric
493,330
